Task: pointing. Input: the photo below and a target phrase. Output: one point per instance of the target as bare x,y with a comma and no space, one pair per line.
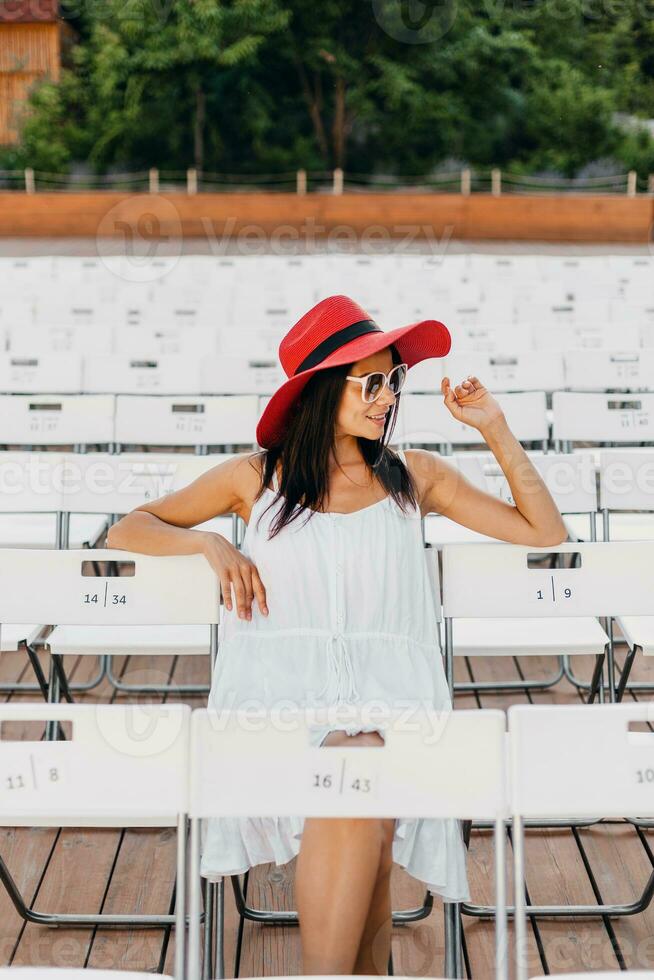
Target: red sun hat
337,331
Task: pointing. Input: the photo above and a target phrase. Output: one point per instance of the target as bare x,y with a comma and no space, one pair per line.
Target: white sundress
351,620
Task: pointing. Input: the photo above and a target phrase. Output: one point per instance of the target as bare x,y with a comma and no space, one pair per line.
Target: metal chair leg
207,961
626,670
72,920
453,946
290,917
219,926
119,685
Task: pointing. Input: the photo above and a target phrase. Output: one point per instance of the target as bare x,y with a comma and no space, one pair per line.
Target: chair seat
131,640
578,526
39,530
220,525
638,631
440,531
12,634
527,637
623,527
631,527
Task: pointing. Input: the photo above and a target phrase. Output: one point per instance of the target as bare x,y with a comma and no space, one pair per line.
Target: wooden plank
565,217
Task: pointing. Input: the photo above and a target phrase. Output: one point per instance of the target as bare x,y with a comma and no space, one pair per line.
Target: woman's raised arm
534,519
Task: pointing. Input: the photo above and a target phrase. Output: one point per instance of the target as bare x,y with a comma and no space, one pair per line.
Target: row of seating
156,765
185,362
499,327
228,420
517,602
397,271
607,482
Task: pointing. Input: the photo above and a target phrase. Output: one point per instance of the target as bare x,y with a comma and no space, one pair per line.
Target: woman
332,597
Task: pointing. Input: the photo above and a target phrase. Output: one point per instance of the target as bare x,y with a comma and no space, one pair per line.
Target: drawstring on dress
342,669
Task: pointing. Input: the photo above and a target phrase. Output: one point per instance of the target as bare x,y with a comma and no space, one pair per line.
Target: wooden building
30,51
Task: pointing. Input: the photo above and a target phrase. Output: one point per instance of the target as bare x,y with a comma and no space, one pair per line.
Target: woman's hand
234,569
471,403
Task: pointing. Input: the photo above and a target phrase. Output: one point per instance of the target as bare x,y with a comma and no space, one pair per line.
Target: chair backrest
62,587
134,374
626,479
57,420
122,765
32,482
505,580
581,761
251,375
115,483
575,761
143,341
162,420
57,339
570,477
425,419
521,370
416,773
40,372
594,417
606,369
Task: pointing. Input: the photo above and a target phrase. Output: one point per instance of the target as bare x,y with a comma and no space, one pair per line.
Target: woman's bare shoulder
428,469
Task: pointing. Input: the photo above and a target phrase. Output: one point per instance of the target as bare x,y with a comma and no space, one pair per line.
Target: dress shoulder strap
275,480
400,453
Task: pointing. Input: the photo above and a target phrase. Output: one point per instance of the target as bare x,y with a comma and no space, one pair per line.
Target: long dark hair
304,452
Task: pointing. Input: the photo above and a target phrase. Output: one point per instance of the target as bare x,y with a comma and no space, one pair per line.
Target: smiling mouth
377,418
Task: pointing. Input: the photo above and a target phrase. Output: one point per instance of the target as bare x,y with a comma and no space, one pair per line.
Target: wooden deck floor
133,870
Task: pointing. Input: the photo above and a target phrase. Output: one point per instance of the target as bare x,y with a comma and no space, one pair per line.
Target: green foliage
264,86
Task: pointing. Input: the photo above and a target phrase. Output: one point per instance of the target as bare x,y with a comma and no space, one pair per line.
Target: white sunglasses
372,384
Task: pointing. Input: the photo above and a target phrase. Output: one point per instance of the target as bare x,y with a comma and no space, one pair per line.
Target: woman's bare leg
336,877
375,946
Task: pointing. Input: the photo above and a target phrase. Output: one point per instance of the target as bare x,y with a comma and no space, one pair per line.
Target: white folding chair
123,766
436,764
570,478
255,374
33,511
145,341
115,484
607,370
57,420
40,373
509,370
134,374
201,421
499,600
601,418
26,341
132,598
570,761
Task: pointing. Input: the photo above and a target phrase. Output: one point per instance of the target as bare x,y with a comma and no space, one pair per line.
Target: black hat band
336,340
